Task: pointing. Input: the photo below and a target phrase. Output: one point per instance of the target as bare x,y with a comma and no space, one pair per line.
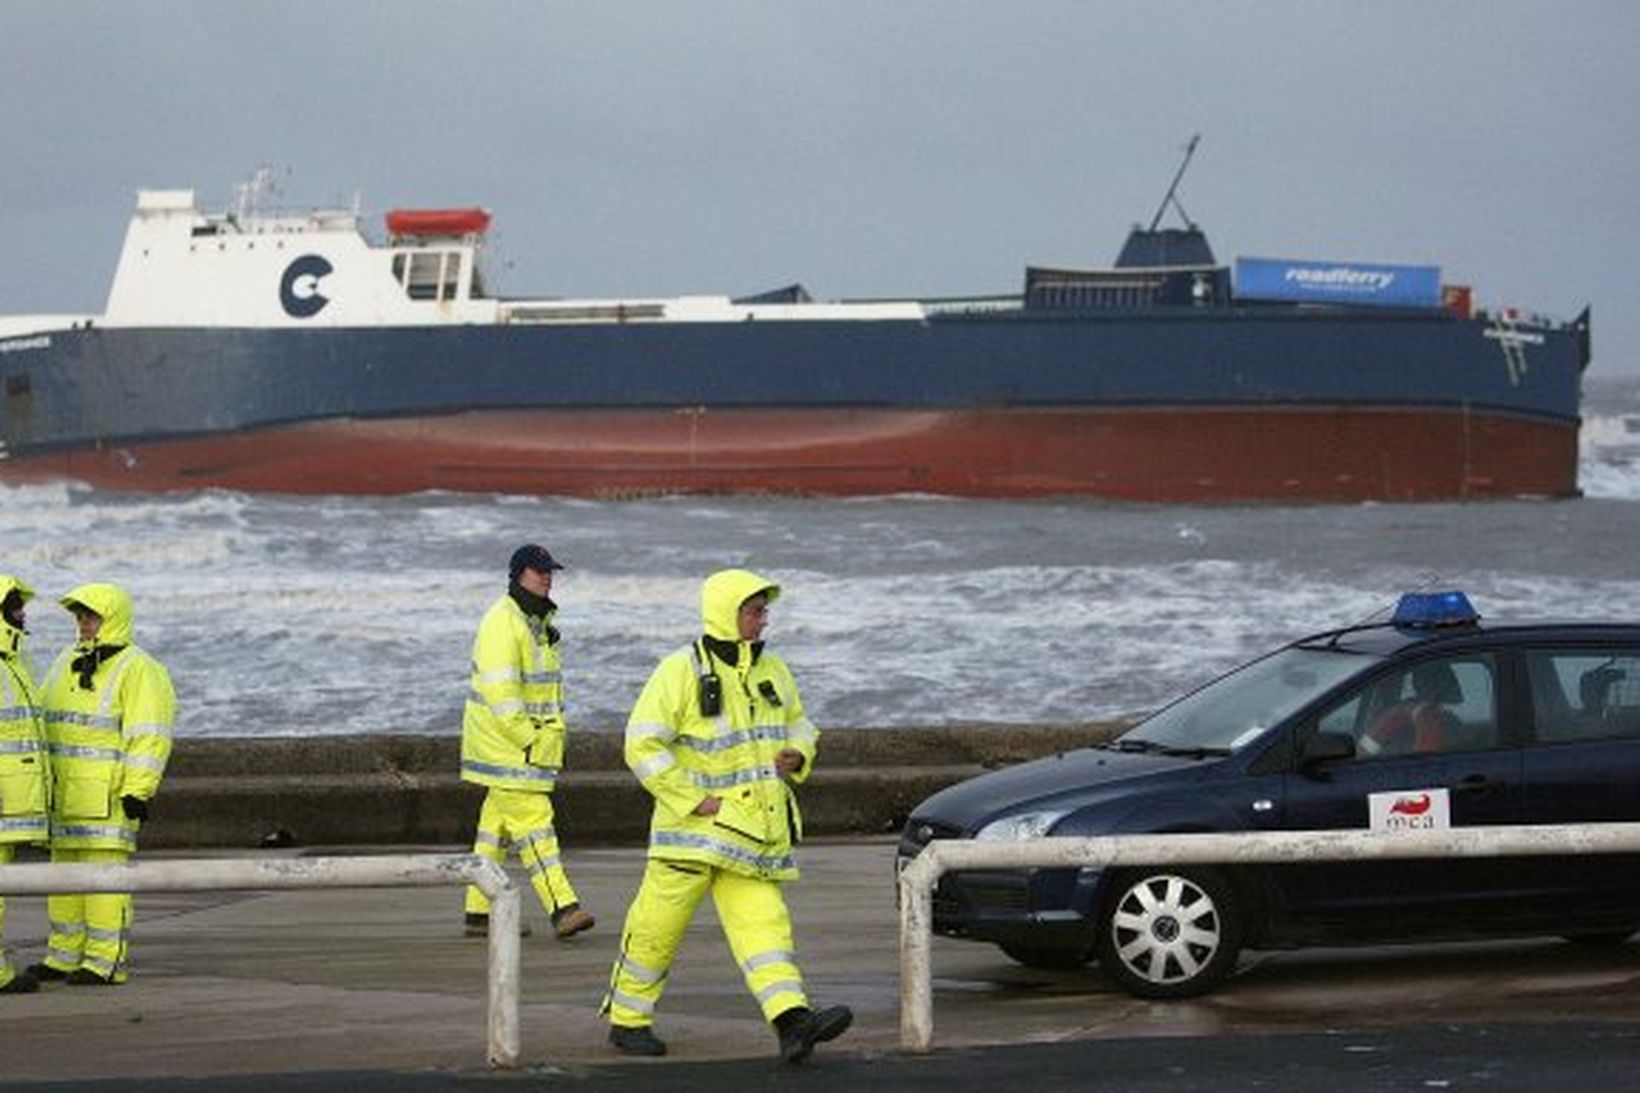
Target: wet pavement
379,989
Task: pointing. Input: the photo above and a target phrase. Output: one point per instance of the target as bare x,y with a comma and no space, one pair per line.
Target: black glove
135,807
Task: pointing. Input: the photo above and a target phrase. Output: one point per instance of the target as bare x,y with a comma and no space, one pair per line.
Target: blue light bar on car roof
1418,609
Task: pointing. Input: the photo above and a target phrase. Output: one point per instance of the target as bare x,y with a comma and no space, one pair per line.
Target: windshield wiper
1151,747
1136,745
1196,752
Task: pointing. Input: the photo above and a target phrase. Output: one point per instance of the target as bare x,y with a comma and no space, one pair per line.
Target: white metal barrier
385,871
918,879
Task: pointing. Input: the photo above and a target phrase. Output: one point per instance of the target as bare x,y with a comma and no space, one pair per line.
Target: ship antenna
1172,197
253,191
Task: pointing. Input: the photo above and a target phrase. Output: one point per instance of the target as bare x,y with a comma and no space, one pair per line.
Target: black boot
85,977
801,1028
21,983
640,1040
45,973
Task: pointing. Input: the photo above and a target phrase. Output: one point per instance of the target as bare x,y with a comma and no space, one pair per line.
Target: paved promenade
321,983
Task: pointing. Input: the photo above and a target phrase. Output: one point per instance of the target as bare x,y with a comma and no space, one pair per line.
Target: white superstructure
182,266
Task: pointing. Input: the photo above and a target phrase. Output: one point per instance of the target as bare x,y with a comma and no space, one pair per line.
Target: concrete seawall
351,790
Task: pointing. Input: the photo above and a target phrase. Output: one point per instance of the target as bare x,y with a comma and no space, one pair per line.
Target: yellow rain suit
683,754
512,740
25,770
109,712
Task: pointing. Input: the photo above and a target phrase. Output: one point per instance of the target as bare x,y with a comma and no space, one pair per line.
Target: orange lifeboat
425,222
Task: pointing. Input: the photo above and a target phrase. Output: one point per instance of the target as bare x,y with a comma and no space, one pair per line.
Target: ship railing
582,313
921,875
380,871
966,305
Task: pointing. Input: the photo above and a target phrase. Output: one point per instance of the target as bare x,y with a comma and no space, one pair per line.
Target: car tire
1044,958
1166,933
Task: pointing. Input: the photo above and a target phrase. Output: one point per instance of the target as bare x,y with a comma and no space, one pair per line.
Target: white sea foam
343,615
1609,456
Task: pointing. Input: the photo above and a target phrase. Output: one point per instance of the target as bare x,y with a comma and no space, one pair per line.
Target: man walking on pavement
25,772
718,737
109,711
512,740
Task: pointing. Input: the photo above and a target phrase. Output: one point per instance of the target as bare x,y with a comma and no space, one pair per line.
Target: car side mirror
1326,747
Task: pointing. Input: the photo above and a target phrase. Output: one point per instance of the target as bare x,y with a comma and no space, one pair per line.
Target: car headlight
1021,825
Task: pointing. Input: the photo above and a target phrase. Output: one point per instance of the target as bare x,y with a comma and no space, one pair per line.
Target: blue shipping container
1338,282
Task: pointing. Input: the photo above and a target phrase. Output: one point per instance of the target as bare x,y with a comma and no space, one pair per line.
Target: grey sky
864,148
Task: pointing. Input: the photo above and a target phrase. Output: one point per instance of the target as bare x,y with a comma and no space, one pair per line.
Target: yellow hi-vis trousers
755,921
8,971
513,817
91,931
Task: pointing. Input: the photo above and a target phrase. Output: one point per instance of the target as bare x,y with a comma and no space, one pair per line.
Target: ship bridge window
428,275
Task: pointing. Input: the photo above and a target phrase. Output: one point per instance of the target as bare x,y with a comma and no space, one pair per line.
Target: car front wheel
1169,934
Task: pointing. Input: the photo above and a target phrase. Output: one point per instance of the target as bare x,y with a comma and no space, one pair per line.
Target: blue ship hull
1219,403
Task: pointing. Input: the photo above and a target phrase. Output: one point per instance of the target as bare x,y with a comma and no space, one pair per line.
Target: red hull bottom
1263,454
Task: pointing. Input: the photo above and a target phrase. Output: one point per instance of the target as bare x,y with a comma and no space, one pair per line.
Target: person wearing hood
512,740
109,709
718,737
25,769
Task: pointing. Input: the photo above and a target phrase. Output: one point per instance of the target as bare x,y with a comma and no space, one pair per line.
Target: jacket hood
11,637
722,595
110,601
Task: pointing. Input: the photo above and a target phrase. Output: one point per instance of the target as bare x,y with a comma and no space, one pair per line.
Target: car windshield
1235,709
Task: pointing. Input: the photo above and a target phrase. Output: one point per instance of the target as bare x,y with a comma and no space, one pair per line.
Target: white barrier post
917,882
382,871
505,920
919,878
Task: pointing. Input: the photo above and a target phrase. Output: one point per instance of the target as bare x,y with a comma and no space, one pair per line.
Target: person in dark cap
512,740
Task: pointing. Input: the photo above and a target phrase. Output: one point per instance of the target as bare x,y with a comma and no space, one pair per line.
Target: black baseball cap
531,556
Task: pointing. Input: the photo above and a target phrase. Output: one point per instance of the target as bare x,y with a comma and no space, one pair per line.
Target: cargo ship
311,352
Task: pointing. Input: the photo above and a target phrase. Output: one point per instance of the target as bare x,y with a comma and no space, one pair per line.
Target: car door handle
1475,784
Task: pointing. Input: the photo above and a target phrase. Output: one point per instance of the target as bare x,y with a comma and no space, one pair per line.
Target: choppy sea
286,616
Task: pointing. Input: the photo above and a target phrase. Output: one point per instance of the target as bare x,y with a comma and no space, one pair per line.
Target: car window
1584,694
1235,709
1431,707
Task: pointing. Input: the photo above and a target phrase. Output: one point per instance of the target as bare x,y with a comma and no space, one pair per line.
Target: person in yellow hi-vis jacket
109,709
512,740
718,737
25,770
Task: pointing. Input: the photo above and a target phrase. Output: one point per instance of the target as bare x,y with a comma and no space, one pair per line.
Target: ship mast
251,194
1172,197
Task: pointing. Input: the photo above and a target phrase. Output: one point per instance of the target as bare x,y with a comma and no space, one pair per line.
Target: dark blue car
1435,718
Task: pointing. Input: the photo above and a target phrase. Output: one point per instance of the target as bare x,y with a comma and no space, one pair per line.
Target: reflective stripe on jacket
512,728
